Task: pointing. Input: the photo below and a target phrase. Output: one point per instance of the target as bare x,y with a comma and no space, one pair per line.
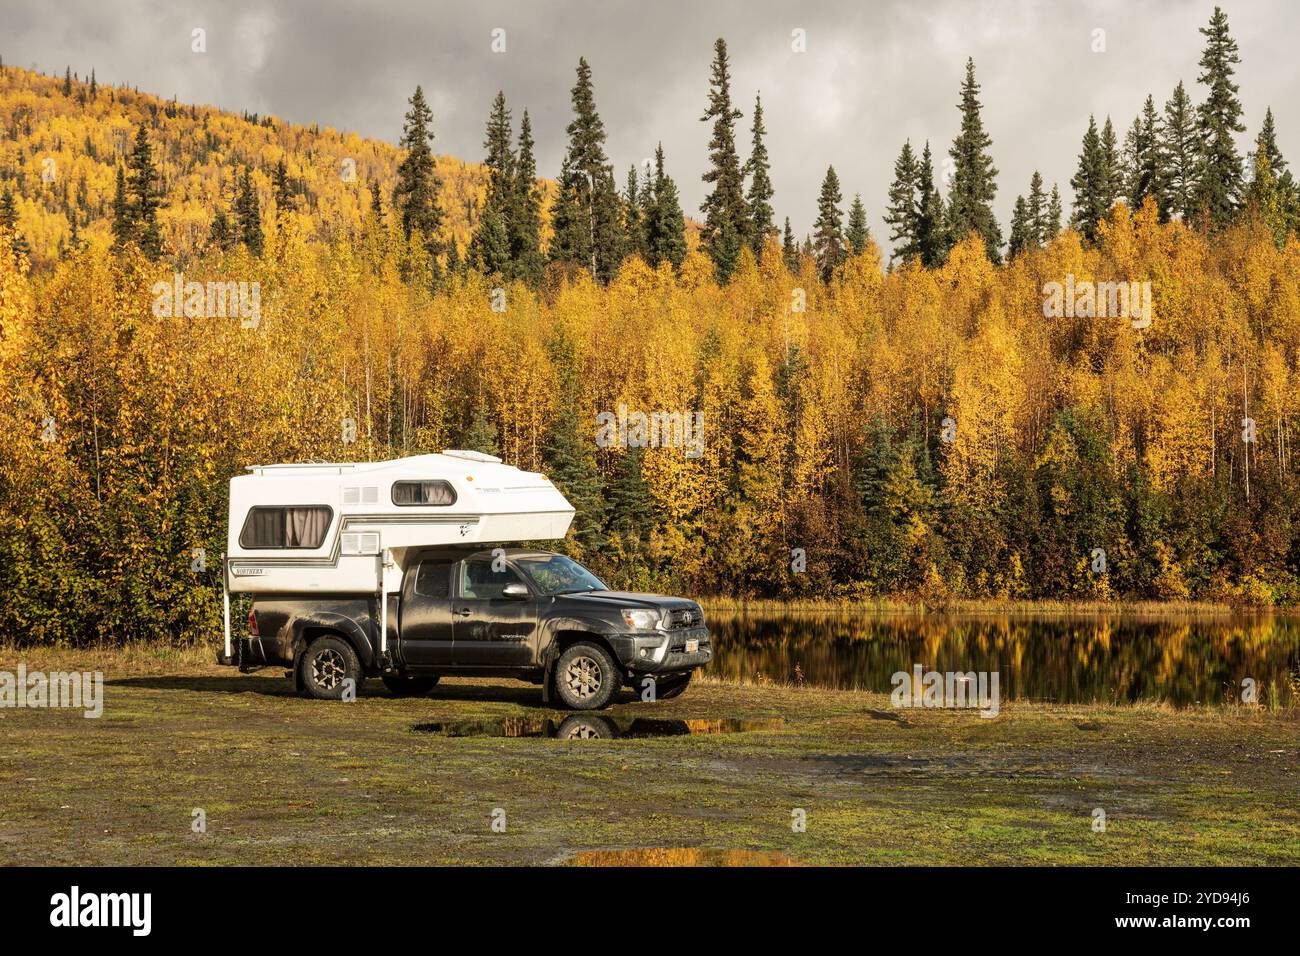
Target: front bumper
658,652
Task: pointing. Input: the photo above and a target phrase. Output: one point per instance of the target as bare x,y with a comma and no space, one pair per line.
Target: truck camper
405,570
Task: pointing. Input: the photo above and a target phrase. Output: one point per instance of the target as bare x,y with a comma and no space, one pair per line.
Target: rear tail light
252,623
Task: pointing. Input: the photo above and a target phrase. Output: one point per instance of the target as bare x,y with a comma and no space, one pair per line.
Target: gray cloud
874,74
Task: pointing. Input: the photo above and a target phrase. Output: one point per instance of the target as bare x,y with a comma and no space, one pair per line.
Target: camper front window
435,492
297,526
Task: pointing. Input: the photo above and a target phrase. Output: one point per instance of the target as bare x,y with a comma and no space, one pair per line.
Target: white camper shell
348,528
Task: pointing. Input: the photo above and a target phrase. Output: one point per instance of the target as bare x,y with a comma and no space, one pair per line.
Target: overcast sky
874,73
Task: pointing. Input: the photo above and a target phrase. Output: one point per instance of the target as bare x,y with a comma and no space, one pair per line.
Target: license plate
692,646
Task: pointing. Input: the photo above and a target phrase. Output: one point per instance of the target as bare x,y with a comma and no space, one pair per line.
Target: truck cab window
434,578
478,579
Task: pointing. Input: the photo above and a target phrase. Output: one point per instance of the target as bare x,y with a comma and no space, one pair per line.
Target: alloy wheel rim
327,669
582,677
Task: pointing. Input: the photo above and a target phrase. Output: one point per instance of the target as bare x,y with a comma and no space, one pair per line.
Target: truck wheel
673,686
586,677
409,686
327,665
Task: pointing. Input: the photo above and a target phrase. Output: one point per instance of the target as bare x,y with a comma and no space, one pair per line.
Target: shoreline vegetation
983,606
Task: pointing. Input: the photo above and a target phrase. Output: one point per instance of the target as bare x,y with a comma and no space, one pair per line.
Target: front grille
685,617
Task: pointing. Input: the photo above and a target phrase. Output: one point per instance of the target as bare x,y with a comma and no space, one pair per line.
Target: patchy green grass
288,780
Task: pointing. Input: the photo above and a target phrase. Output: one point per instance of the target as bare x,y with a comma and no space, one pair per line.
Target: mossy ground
284,780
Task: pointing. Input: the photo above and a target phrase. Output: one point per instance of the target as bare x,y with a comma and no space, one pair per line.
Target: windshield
556,574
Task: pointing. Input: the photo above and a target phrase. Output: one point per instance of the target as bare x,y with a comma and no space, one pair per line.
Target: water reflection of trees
1098,658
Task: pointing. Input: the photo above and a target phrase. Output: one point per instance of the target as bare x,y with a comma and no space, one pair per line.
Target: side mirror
515,591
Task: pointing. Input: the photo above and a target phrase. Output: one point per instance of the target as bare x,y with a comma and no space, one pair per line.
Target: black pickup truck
532,615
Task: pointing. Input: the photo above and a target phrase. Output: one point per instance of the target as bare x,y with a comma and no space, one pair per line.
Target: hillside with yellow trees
964,427
59,152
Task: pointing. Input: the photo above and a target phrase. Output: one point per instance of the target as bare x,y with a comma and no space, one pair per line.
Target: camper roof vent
471,455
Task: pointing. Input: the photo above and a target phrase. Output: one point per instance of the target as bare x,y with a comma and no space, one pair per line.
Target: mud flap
295,675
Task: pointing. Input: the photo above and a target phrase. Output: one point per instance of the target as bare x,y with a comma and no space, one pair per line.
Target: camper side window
302,526
437,492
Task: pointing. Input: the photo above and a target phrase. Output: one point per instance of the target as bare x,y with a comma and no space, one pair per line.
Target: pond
1177,659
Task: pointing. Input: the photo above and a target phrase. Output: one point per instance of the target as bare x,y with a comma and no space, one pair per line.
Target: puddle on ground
591,727
680,856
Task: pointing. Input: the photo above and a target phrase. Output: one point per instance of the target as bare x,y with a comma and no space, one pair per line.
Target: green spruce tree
726,217
858,234
143,193
1180,151
665,225
828,241
1090,183
761,224
415,197
974,178
1219,120
903,214
525,224
931,229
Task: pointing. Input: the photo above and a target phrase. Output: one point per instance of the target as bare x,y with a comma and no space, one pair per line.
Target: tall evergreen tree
931,230
1112,165
1022,229
665,225
1288,193
633,218
489,248
143,196
1036,211
1052,224
376,203
761,225
283,191
526,211
858,232
587,215
1090,183
828,234
9,220
726,217
1142,161
1180,149
904,211
122,228
248,210
1219,119
974,180
220,233
631,503
415,196
1272,191
570,466
790,249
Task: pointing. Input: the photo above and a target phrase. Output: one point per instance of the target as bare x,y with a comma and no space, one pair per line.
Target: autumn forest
896,415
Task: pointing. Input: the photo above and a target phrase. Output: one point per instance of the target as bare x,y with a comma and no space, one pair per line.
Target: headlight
640,619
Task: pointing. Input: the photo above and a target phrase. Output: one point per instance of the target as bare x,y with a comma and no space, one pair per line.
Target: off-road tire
586,677
325,667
